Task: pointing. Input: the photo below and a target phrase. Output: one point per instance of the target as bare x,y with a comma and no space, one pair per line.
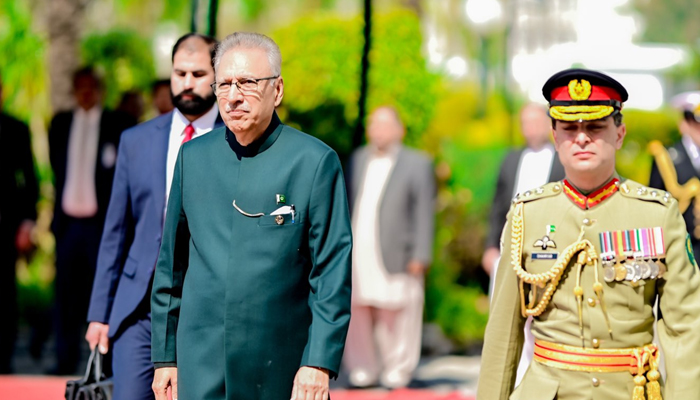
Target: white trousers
383,345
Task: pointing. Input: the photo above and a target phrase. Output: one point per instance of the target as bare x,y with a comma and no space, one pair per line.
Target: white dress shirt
79,196
372,284
201,125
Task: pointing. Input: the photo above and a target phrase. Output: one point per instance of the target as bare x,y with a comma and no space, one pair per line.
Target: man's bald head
535,125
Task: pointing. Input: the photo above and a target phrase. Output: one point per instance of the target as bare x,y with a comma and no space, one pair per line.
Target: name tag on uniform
545,256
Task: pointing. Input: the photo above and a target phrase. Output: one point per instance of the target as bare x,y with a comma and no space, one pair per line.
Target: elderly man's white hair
251,40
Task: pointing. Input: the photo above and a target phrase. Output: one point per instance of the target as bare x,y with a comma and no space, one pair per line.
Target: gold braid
684,193
550,278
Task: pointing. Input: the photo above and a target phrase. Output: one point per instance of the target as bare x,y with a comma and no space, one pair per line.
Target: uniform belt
635,360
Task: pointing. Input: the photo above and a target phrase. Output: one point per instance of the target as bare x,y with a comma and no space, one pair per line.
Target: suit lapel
358,170
159,145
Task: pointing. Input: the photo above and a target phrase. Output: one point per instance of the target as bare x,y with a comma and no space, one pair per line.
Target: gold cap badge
579,90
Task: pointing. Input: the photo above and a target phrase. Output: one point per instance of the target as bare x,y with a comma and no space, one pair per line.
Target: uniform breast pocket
539,262
631,295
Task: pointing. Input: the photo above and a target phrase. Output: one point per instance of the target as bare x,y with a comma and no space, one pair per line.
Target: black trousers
8,297
76,259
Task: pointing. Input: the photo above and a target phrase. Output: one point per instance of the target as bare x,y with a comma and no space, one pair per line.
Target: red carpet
32,387
52,388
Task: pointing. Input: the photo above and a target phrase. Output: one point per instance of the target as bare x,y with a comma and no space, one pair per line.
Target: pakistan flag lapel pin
546,241
280,198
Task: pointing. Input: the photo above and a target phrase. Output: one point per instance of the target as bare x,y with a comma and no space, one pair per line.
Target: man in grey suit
392,200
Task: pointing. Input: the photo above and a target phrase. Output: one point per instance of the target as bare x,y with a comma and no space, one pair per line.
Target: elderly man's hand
163,379
310,383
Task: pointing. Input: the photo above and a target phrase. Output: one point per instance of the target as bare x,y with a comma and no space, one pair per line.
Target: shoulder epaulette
636,190
548,190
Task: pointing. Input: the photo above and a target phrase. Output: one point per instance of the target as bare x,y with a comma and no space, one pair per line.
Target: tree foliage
670,21
124,58
321,66
22,66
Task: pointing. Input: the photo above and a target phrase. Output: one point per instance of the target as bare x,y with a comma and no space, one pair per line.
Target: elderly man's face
248,112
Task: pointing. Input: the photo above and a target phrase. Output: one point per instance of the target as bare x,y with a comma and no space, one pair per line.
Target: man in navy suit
119,313
83,149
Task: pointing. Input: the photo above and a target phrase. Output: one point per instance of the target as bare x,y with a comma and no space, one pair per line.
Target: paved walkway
437,378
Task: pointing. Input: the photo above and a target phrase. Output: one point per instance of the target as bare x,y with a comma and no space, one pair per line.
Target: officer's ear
554,136
621,132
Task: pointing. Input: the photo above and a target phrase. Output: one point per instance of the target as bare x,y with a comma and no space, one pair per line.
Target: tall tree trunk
65,19
362,102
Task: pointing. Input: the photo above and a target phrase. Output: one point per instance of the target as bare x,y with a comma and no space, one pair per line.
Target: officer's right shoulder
549,190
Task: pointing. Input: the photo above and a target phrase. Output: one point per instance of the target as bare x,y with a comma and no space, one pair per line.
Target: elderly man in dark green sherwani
251,293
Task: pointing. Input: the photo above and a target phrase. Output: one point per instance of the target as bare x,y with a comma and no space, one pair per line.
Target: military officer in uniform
251,292
587,258
677,169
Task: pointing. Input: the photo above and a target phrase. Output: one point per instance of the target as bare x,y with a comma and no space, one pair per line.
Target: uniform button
591,302
596,343
587,222
595,382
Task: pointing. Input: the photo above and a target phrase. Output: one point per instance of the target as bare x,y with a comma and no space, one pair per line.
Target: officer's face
191,78
588,148
250,112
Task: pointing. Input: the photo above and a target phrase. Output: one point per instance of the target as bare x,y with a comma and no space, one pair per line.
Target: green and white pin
551,229
281,199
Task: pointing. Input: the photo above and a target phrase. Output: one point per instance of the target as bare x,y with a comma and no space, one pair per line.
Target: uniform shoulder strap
638,191
548,190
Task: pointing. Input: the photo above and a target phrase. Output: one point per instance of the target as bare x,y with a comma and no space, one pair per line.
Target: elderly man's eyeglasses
245,85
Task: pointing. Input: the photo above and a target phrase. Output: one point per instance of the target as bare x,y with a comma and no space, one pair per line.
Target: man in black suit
17,215
677,169
523,169
83,150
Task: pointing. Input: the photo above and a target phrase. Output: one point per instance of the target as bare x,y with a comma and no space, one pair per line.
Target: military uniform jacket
241,300
629,307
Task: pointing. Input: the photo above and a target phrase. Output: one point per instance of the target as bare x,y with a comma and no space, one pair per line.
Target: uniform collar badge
593,199
546,241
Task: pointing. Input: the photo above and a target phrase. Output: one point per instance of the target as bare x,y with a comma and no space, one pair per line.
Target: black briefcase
93,385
